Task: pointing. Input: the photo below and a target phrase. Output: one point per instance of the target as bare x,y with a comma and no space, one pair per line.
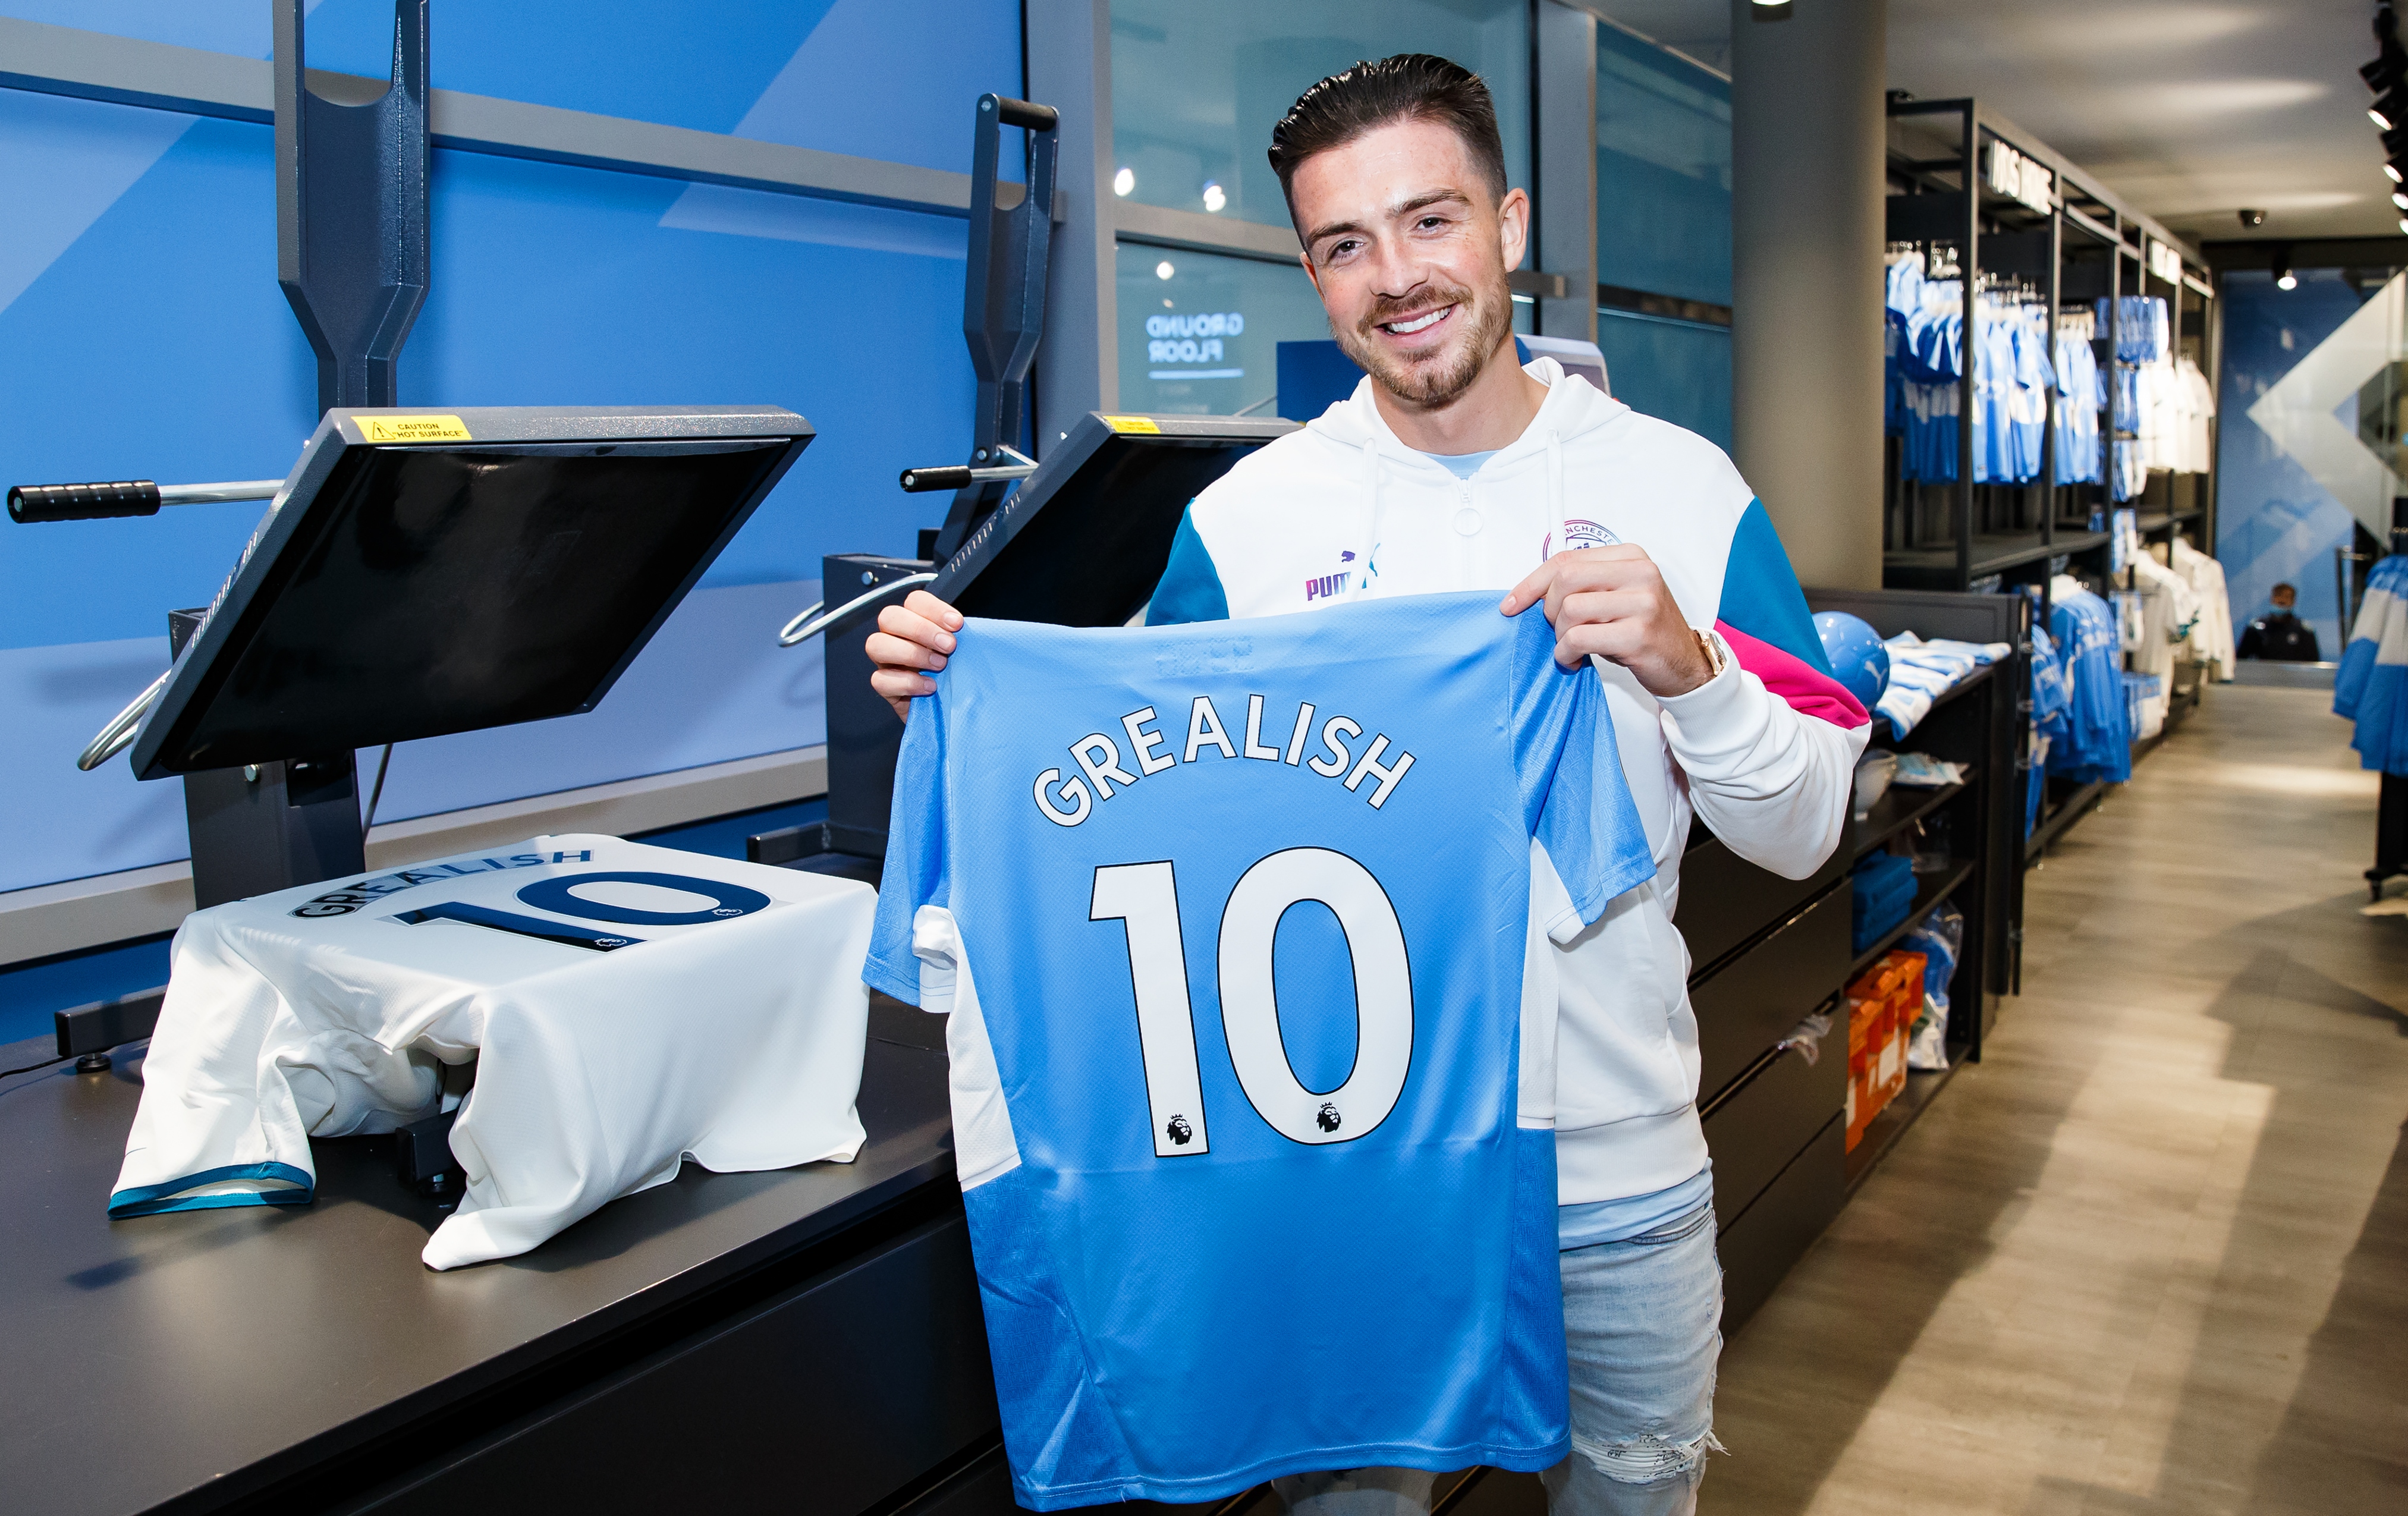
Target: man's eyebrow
1403,207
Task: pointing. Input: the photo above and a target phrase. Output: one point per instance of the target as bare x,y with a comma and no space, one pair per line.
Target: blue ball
1857,656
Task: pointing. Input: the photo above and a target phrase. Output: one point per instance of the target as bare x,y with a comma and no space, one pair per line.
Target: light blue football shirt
1231,920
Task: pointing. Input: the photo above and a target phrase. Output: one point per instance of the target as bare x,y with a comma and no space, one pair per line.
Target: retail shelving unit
1766,952
1958,535
2086,246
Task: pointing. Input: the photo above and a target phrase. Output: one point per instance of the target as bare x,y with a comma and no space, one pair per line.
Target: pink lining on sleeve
1809,691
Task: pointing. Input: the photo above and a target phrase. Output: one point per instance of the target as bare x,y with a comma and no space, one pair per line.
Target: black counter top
191,1359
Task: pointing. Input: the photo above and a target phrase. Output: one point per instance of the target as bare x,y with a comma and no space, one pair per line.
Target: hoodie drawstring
1556,484
1362,579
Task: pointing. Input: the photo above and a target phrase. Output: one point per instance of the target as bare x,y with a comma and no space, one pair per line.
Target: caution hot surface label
413,428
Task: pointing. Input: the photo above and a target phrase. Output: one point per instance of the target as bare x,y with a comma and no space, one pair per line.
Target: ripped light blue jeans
1643,1318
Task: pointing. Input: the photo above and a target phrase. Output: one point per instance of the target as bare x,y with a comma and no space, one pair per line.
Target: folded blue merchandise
1881,892
2371,688
1922,771
1921,672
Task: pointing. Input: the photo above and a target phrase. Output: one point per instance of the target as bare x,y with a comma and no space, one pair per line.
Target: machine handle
916,481
1026,113
32,503
961,476
119,732
809,623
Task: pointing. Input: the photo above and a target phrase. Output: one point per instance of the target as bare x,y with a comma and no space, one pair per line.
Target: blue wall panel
2273,522
892,79
146,338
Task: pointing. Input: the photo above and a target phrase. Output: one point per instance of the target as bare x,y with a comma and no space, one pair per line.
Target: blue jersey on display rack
1251,1102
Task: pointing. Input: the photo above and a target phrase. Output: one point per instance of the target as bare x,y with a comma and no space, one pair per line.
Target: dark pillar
1807,134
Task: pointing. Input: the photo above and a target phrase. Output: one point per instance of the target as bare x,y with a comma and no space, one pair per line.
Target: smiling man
1449,469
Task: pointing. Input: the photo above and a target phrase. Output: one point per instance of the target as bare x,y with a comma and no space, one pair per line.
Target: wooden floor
2152,1254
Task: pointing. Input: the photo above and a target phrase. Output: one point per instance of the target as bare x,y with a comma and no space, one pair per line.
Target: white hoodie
1765,752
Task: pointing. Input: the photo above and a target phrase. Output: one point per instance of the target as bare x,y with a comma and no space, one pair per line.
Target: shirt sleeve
1190,588
1578,808
916,874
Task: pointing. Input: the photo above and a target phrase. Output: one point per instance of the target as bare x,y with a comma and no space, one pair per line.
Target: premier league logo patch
1327,1117
1179,1131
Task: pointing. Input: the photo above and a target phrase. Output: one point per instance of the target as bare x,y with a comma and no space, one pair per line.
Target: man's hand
910,638
1613,602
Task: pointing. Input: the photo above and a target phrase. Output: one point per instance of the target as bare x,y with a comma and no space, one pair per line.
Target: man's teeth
1419,323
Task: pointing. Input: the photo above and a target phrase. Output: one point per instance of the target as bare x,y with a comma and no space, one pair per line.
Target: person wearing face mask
1454,467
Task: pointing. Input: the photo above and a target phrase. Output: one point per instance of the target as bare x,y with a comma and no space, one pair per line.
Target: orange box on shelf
1882,1005
1867,1022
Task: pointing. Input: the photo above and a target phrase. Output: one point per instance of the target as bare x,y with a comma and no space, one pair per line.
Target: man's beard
1436,380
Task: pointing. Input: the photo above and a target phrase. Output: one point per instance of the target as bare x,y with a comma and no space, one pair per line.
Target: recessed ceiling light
1123,182
1162,269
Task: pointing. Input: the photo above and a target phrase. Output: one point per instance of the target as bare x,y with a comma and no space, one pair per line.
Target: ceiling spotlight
2392,109
2396,171
1215,197
2399,199
2382,73
1123,182
2251,218
1162,269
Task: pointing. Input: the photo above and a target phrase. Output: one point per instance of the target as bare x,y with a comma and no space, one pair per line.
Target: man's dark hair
1410,86
2280,588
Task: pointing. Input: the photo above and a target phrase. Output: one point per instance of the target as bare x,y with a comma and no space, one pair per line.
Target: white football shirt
627,1006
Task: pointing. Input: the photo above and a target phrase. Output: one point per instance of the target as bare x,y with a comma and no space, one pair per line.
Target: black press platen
32,503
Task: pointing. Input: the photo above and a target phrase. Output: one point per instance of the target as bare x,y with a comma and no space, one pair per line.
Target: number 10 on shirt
1144,898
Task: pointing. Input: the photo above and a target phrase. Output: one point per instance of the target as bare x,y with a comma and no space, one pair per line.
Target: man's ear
1513,227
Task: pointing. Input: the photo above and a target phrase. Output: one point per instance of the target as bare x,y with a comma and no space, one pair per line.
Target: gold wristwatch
1711,646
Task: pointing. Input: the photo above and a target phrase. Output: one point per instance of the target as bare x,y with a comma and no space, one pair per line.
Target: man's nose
1397,271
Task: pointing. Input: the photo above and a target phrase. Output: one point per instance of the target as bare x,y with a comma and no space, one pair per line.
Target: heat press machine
419,572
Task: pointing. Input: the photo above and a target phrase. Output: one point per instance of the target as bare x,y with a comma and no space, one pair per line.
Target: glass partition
1663,172
1673,370
1199,332
1197,87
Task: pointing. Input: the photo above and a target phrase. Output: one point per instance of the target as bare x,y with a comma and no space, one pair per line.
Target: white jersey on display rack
627,1006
